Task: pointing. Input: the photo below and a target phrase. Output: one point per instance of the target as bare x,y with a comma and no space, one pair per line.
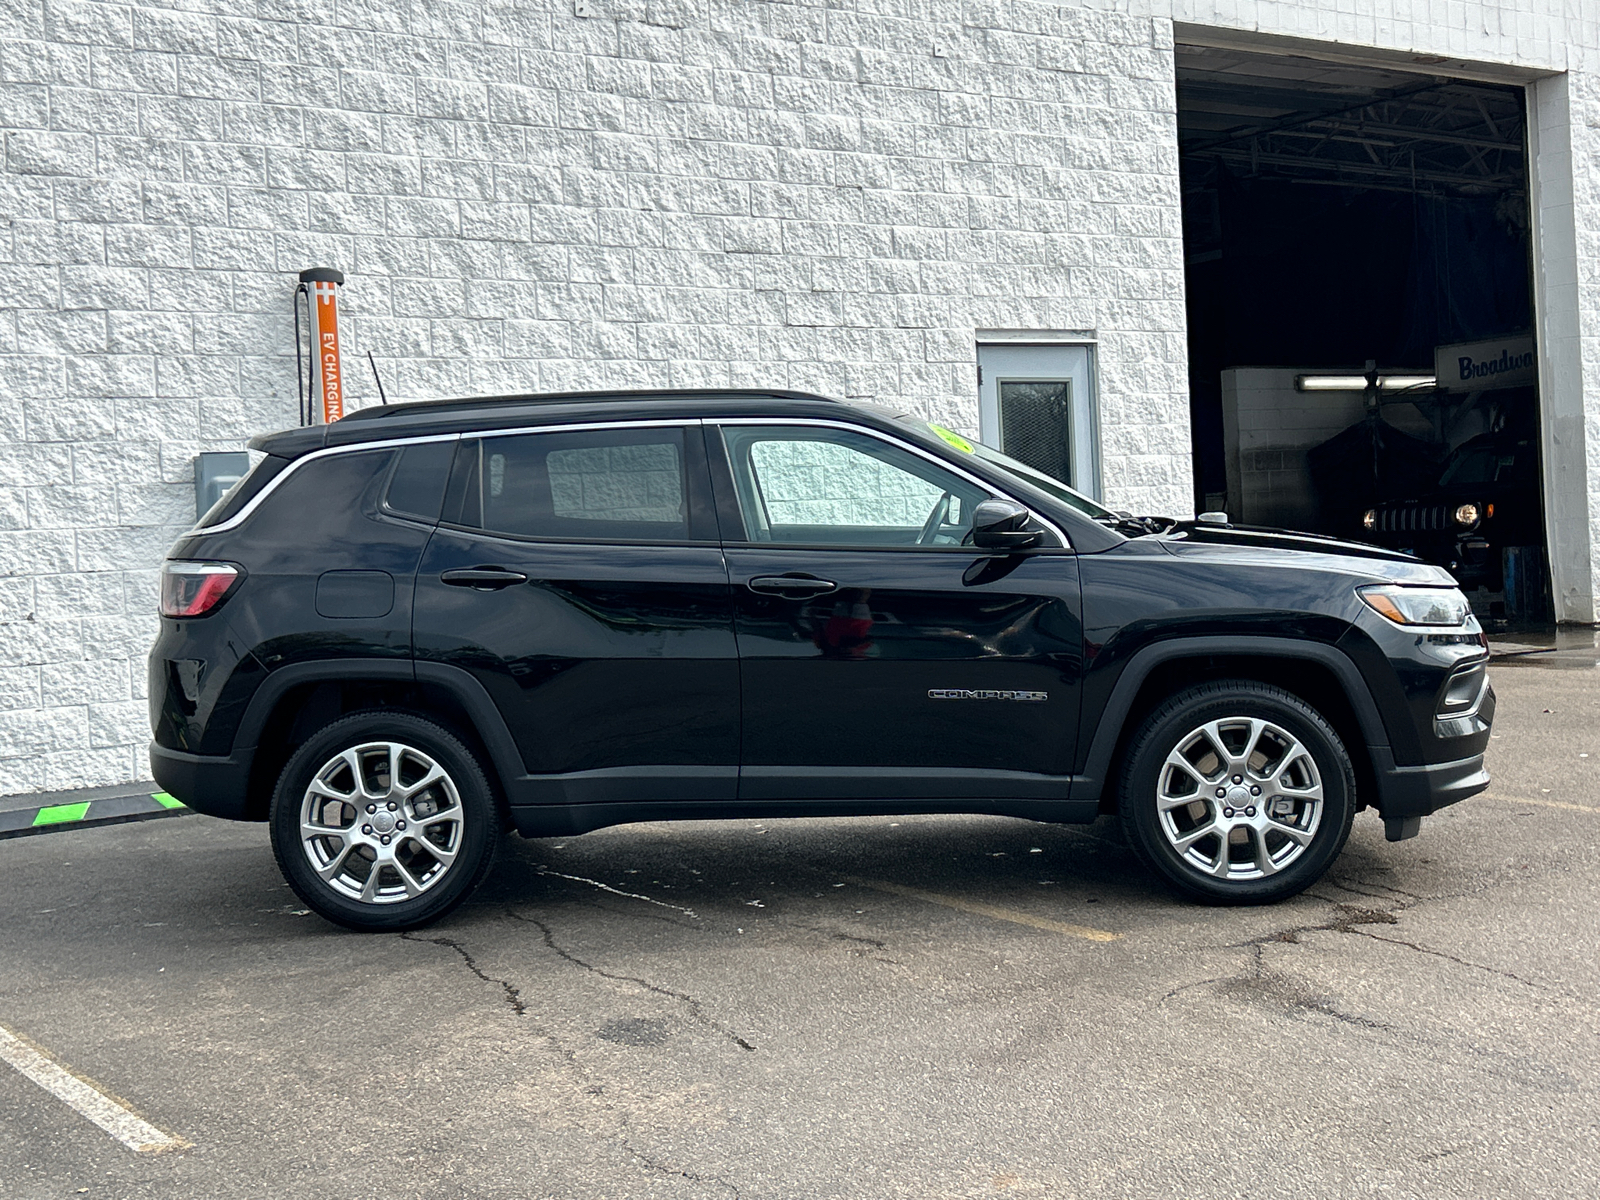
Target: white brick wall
689,192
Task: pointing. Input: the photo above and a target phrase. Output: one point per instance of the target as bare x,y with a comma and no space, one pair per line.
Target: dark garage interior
1341,224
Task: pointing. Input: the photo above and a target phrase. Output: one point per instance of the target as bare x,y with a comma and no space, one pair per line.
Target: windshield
1034,478
1479,466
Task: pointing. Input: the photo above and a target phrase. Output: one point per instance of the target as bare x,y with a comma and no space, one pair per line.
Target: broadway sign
1478,366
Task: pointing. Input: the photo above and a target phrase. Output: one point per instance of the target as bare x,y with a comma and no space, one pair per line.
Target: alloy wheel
381,822
1239,798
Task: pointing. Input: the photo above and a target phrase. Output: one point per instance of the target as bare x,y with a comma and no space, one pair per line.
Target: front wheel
383,821
1237,793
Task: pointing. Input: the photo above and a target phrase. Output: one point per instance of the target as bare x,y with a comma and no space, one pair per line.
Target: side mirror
998,525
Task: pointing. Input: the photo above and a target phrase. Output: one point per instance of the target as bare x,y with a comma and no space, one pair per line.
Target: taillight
193,589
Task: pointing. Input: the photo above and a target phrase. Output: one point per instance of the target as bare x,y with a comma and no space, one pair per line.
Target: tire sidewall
1184,713
478,839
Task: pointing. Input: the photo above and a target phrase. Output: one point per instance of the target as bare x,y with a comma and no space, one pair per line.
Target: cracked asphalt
752,1010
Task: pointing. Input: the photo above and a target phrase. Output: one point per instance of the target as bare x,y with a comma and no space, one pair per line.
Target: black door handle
484,579
791,585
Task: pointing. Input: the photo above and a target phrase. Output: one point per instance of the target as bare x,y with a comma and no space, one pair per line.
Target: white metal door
1036,403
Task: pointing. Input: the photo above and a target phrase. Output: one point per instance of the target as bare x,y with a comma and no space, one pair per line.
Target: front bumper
216,786
1419,791
1407,794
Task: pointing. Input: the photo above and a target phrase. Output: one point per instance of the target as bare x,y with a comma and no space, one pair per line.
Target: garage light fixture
1358,383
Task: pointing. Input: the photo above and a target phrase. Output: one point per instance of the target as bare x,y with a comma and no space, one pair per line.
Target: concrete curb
53,812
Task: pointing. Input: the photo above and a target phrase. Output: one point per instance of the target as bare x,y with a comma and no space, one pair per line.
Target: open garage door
1346,230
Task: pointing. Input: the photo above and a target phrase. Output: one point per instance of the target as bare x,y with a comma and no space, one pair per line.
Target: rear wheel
383,821
1237,793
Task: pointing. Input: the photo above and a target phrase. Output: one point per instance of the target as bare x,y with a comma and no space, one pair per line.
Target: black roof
475,413
467,403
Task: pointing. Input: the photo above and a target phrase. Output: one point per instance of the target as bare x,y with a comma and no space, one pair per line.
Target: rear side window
610,484
322,502
416,489
263,472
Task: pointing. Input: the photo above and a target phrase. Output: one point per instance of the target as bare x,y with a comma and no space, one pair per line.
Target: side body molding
223,785
1103,741
248,736
542,804
538,803
588,800
486,719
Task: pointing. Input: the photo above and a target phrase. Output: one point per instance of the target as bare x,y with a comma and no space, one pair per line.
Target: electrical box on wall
215,472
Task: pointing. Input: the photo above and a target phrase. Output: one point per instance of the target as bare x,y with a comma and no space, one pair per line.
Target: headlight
1418,605
1369,519
1467,514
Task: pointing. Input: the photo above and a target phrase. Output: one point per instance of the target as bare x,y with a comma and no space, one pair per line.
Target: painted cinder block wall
688,192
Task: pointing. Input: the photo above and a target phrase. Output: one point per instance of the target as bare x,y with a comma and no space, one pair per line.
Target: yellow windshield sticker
955,439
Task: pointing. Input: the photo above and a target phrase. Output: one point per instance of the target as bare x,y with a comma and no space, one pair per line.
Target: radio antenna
373,363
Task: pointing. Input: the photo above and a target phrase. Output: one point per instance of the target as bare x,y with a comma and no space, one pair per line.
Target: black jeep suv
1486,500
407,631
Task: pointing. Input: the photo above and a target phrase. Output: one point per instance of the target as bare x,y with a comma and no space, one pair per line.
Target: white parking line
85,1099
993,911
1591,809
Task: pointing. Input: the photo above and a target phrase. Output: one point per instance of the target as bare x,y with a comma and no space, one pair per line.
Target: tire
422,846
1237,793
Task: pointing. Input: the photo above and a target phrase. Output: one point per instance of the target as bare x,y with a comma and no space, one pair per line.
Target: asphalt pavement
897,1007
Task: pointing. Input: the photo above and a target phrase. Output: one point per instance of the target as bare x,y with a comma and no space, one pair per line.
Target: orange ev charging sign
327,378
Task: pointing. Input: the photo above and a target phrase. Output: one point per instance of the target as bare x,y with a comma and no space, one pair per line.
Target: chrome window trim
260,497
909,447
642,423
255,501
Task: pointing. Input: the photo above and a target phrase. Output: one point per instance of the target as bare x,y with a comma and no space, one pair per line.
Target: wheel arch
295,701
1321,675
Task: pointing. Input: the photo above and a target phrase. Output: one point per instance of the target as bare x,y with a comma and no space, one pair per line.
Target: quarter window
817,486
611,484
417,486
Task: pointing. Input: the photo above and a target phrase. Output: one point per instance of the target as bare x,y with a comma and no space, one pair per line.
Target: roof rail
430,406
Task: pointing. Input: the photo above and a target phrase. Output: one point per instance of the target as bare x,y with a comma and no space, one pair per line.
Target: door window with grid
1036,424
1036,403
831,487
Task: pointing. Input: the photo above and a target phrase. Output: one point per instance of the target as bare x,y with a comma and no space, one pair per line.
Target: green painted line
166,801
58,814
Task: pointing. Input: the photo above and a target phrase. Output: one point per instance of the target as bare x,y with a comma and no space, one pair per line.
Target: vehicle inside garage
1360,311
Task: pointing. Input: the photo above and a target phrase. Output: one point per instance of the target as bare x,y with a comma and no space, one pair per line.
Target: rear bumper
1418,791
216,786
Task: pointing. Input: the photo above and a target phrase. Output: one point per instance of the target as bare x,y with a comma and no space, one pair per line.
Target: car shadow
693,872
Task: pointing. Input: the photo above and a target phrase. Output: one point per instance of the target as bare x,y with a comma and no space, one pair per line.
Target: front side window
608,484
820,486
